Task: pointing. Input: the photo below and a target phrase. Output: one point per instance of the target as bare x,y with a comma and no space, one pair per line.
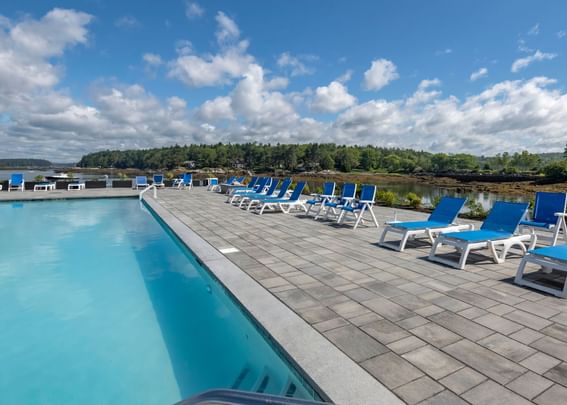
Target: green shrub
306,189
556,170
39,177
475,209
388,198
413,200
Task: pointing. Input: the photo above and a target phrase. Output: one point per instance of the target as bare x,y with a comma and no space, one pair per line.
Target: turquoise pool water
99,304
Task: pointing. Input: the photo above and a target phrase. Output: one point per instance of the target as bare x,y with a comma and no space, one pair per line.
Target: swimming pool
101,304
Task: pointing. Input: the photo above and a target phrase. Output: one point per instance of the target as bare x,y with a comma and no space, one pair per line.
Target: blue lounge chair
158,180
320,199
284,204
270,192
279,194
357,208
256,187
140,181
348,193
238,185
185,181
213,184
498,230
548,258
548,216
16,182
442,219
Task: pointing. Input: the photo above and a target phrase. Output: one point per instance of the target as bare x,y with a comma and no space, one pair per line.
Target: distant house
237,164
190,164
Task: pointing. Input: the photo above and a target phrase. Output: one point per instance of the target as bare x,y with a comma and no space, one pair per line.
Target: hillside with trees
314,157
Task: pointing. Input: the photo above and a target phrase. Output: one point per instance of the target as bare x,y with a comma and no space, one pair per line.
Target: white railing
148,189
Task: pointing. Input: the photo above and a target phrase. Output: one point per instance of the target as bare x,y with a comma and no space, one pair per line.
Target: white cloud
216,110
381,72
231,62
445,51
296,64
332,98
538,56
152,59
193,10
479,74
345,77
534,30
127,22
561,34
227,28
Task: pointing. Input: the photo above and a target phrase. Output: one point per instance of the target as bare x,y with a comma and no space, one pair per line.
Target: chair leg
520,272
433,251
464,256
403,241
373,217
359,217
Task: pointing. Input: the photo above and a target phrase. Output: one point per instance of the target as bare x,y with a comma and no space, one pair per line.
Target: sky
481,77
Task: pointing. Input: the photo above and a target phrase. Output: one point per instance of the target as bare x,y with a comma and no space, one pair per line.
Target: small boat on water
59,176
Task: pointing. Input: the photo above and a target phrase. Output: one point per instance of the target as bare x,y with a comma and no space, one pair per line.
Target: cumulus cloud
345,77
152,59
381,72
231,62
332,98
538,56
193,10
561,34
445,51
479,74
296,64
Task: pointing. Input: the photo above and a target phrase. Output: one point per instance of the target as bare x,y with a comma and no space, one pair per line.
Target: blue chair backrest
348,191
158,178
505,216
285,186
368,193
260,184
547,204
239,179
141,179
297,191
328,188
187,178
230,179
213,182
272,187
17,178
253,181
447,210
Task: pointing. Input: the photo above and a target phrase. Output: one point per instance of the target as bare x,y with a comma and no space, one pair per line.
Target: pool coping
331,371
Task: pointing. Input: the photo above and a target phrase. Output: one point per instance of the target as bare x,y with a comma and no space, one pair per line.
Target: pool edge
337,376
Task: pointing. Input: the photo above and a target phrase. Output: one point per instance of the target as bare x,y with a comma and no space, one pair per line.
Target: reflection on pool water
99,304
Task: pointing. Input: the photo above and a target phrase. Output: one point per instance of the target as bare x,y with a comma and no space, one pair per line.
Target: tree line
313,157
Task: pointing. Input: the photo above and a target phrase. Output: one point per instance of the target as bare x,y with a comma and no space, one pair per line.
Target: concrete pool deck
429,333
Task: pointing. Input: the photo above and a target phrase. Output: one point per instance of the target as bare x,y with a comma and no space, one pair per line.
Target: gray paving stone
365,319
472,313
330,324
490,393
526,336
444,398
461,326
509,348
392,370
436,335
557,331
527,319
418,390
385,331
538,309
487,362
558,374
355,343
406,345
498,324
462,380
551,346
388,309
553,396
349,309
540,362
433,362
529,385
413,322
